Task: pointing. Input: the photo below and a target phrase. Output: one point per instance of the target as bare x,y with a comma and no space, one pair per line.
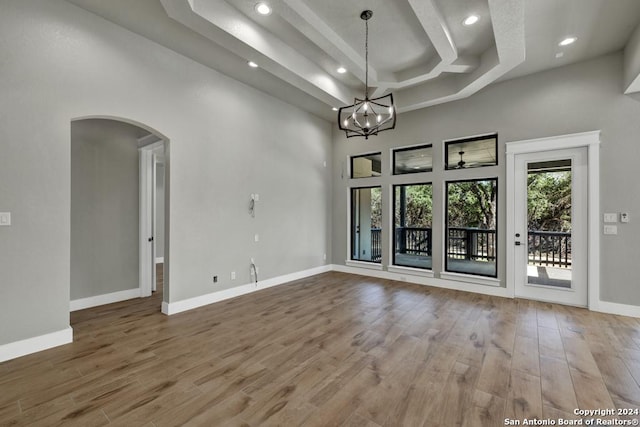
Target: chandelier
366,116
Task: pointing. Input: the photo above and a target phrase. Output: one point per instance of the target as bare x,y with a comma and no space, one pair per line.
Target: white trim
147,180
591,140
160,260
470,278
150,139
363,264
481,135
35,344
427,281
202,300
593,224
550,143
400,269
617,308
82,303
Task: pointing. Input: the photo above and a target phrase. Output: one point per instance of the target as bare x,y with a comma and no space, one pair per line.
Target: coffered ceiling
419,49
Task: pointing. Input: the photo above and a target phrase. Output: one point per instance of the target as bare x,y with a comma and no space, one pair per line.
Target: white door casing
518,154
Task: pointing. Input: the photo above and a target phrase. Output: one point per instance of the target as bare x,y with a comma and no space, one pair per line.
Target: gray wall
104,207
227,140
576,98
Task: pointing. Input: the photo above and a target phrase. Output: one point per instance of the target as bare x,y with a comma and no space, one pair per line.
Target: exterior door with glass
550,209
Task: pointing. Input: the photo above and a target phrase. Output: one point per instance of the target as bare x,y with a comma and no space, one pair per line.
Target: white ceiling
418,49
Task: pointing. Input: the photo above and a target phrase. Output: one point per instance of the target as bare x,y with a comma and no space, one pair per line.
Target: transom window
413,160
471,152
366,165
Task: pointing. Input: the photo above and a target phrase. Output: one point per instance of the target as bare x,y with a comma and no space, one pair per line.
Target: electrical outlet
324,257
256,238
233,275
215,279
5,218
624,217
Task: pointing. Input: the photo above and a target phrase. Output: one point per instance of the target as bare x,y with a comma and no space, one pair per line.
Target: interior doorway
152,214
106,210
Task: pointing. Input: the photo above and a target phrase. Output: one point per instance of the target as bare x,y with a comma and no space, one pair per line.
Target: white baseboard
602,306
81,304
160,260
35,344
617,308
191,303
427,281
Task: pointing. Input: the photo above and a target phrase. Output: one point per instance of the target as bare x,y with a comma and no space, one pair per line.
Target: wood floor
331,350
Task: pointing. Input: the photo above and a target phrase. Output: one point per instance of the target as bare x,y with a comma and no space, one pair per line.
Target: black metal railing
549,248
474,244
413,241
376,244
546,248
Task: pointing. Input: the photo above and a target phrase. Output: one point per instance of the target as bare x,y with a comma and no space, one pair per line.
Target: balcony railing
549,248
376,244
413,241
472,244
546,248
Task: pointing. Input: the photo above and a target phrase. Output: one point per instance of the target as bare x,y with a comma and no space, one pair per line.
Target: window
471,238
366,224
412,207
366,166
413,160
471,152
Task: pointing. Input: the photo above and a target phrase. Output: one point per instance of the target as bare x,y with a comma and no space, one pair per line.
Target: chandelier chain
366,59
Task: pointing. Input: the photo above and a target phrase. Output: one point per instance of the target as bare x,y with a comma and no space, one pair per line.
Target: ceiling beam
507,18
226,26
632,63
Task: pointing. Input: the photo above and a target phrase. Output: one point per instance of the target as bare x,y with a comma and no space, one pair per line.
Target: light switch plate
611,217
5,218
610,229
624,217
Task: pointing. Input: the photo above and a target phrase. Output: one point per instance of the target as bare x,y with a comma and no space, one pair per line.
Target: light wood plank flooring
334,349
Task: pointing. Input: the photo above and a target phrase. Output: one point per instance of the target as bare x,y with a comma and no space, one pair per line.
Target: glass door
551,226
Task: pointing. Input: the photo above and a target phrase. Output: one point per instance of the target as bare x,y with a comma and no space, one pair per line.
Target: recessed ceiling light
341,70
334,109
263,9
559,54
252,64
567,41
470,20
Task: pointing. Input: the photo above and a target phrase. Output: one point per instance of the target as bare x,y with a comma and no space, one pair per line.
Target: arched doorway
114,211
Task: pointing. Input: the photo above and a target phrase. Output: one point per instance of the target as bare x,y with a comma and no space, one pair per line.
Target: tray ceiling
419,49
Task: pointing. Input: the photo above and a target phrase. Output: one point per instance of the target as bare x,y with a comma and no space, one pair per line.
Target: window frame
469,139
393,222
373,153
351,237
446,226
413,147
